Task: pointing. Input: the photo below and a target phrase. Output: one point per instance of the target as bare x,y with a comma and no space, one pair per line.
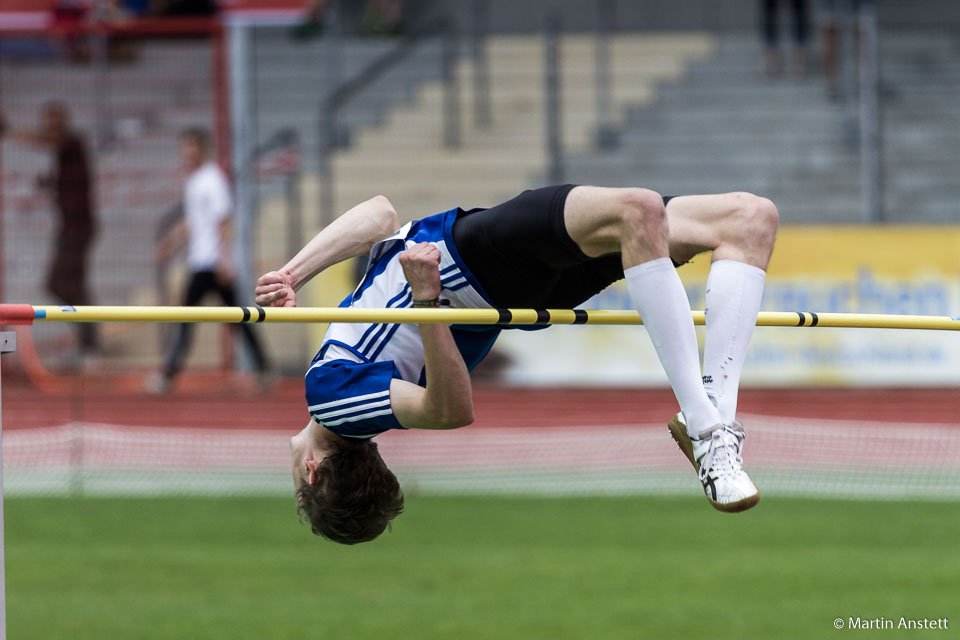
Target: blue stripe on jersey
341,361
365,335
403,291
385,341
326,345
393,329
383,327
348,404
354,413
369,330
377,269
386,411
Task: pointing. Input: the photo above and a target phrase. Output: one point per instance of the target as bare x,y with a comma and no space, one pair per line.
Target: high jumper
553,247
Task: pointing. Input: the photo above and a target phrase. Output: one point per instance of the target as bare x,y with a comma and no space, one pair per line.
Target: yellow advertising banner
853,269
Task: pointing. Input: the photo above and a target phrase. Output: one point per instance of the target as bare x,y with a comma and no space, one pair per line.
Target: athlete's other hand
421,266
275,289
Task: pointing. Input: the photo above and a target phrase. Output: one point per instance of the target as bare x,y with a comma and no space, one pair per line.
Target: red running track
284,407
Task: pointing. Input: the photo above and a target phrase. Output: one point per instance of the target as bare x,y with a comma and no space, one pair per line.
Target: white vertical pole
243,212
8,344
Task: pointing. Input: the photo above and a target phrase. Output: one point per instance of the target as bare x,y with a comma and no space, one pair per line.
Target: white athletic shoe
717,457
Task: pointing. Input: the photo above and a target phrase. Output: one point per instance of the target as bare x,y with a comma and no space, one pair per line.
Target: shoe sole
678,431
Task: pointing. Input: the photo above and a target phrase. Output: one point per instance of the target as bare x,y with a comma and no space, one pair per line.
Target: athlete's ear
312,465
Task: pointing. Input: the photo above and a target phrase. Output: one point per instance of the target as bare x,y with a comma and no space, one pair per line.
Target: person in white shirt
204,229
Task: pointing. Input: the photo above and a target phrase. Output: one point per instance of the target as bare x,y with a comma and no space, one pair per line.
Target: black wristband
436,302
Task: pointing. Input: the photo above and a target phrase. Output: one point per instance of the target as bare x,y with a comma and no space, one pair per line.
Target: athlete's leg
739,228
735,226
633,222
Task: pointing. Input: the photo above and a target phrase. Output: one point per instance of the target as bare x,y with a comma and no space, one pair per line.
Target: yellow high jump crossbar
25,314
28,314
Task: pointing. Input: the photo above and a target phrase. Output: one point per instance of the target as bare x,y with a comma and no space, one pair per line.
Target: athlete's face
307,450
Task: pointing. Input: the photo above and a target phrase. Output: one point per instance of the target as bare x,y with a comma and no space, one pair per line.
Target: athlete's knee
755,219
643,213
764,218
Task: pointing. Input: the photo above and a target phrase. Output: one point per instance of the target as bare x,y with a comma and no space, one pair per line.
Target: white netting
786,456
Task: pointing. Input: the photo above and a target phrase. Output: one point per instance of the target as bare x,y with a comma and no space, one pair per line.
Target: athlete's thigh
698,223
594,216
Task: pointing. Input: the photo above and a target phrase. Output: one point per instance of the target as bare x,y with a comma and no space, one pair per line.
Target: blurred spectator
71,183
831,18
770,24
205,229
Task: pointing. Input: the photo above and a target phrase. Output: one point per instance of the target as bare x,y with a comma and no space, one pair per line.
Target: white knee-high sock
734,290
658,295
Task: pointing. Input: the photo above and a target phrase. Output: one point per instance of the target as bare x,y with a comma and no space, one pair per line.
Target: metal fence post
242,151
871,170
328,135
552,117
847,25
327,144
291,187
605,135
8,344
451,88
481,66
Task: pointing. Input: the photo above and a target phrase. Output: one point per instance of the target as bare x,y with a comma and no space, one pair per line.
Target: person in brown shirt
71,184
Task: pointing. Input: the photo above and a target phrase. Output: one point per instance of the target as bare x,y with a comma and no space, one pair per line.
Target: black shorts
522,255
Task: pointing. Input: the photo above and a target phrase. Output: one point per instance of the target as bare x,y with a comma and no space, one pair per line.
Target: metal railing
331,137
553,101
871,148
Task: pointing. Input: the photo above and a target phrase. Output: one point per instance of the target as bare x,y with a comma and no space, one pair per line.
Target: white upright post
8,344
242,143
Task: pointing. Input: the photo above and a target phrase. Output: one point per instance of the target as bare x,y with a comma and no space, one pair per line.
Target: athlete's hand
421,266
275,289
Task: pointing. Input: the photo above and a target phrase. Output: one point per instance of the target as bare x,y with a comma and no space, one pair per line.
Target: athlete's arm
447,401
352,234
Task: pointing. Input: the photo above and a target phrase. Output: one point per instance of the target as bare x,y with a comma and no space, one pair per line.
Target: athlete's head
344,489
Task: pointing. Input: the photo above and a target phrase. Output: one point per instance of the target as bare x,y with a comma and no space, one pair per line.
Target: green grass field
478,568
